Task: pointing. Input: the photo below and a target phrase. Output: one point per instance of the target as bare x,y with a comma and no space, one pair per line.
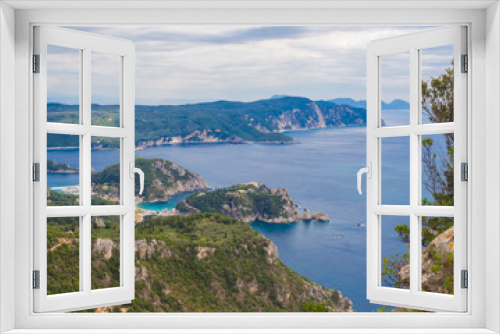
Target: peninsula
249,202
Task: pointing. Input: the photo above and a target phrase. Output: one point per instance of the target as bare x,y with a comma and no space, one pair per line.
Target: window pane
63,170
437,169
437,84
395,247
105,171
63,85
395,169
395,89
63,255
105,252
438,254
106,74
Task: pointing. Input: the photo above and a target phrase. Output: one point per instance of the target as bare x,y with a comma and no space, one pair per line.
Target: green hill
197,263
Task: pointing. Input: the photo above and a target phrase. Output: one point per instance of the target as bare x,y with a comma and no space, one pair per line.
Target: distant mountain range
395,104
262,121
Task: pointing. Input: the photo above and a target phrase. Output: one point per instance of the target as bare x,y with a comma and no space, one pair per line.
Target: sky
189,64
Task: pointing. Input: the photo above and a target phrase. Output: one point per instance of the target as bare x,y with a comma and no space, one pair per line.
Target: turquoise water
320,174
159,206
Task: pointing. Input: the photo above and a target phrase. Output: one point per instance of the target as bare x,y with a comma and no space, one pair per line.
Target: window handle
368,171
139,171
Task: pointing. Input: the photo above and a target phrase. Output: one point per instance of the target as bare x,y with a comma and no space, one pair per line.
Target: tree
437,174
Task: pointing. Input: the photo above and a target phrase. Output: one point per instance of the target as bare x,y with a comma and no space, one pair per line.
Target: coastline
171,142
63,171
142,146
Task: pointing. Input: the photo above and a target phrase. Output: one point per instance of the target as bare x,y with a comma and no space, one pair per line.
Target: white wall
492,164
7,160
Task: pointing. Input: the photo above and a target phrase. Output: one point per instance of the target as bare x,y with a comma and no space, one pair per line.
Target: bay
320,174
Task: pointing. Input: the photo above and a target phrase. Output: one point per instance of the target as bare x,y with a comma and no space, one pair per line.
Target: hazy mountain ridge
395,104
260,121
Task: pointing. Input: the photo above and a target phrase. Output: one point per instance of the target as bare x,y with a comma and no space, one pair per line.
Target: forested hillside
222,121
199,263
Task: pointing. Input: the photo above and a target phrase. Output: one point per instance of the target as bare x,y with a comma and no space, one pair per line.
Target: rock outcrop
320,217
168,179
437,265
203,252
307,216
158,247
104,247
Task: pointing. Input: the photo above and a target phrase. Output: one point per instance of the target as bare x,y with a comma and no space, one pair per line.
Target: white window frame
375,133
87,44
482,316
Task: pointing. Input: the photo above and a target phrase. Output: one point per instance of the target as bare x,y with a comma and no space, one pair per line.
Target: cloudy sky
187,64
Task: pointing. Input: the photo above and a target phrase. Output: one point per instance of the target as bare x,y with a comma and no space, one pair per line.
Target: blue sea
320,174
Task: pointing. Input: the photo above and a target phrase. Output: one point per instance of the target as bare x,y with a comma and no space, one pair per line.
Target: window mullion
418,118
85,185
414,171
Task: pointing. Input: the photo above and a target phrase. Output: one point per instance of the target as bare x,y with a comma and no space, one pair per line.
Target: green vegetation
106,252
438,179
223,120
58,141
204,263
162,179
53,166
391,267
247,202
101,115
63,259
105,115
55,198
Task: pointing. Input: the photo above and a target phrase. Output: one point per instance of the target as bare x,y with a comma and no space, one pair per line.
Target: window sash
86,297
413,298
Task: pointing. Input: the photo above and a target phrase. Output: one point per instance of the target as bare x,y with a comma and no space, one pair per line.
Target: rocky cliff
249,202
437,265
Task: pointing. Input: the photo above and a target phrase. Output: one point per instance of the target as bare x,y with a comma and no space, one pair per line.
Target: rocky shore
206,137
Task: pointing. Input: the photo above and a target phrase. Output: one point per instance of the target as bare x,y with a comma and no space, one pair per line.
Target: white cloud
178,64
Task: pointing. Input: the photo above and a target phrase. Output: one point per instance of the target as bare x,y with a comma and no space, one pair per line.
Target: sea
319,174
